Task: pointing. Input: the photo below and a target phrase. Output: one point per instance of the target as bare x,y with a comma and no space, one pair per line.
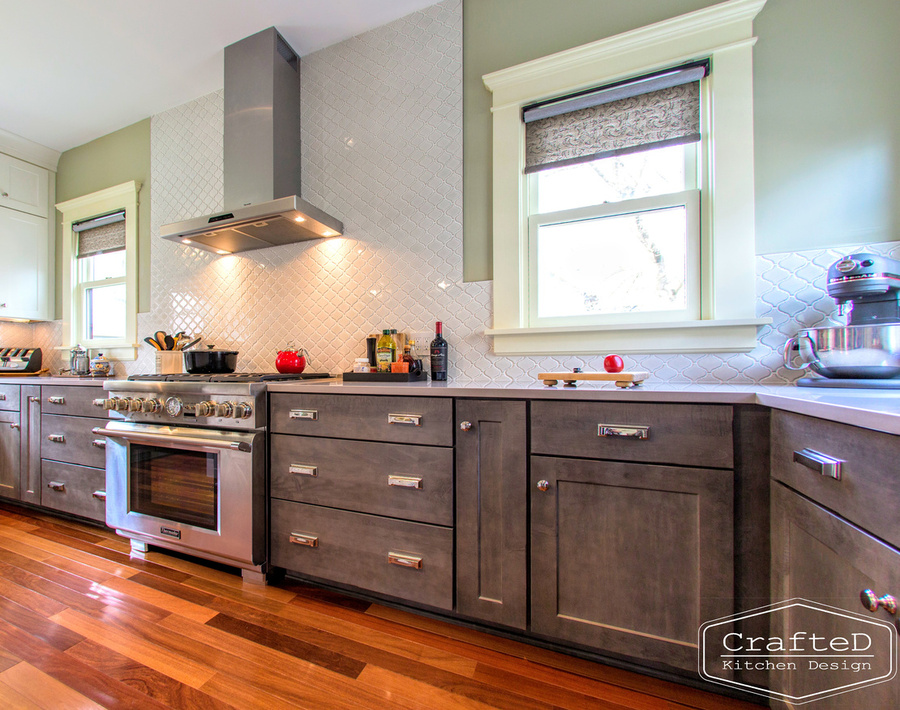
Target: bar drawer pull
408,419
405,481
56,400
398,558
99,495
302,469
820,463
58,438
57,486
305,540
99,443
624,430
310,414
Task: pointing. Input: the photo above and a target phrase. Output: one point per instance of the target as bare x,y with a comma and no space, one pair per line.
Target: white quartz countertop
872,409
53,380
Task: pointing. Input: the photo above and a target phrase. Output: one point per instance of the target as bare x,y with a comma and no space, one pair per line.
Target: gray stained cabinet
630,558
491,511
820,557
20,429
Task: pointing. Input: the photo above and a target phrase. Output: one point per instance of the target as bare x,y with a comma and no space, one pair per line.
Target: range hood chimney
262,156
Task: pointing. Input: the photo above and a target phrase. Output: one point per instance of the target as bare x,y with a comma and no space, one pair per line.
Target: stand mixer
865,352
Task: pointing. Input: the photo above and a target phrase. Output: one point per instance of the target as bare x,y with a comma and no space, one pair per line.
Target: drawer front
70,439
685,434
868,488
80,490
398,480
78,401
9,397
405,420
409,561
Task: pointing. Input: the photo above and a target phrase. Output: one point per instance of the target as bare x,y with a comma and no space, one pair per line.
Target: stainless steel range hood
262,156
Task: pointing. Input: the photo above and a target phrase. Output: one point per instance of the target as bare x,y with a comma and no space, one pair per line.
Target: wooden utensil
622,379
160,337
151,341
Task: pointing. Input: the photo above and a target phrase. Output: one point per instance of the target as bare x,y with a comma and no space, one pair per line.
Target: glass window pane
629,263
105,312
621,177
102,266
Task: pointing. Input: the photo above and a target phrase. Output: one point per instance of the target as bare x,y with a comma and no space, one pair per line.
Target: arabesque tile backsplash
382,150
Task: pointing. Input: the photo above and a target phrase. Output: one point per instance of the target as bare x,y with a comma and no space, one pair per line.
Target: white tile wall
382,150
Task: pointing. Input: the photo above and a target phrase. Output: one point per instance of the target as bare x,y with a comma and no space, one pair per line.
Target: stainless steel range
186,465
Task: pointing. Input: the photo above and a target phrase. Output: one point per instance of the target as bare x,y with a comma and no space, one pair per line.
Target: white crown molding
638,41
29,151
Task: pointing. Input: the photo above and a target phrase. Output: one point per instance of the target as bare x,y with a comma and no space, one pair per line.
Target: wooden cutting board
622,379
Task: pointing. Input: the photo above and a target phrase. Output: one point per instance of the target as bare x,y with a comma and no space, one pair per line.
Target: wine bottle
438,354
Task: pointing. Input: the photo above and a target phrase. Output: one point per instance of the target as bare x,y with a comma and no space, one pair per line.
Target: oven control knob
243,410
224,409
135,405
151,406
122,404
174,407
205,409
107,404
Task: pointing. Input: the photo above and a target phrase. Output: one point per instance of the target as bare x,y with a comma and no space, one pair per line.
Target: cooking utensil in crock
210,361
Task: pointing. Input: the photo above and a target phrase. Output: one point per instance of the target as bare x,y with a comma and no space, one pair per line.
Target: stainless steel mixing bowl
853,352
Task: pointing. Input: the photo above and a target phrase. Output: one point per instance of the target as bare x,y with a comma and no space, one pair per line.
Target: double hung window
613,202
623,192
100,270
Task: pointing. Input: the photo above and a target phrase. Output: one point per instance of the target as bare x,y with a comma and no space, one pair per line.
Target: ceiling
75,70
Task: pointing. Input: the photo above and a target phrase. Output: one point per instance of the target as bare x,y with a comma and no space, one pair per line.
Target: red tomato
613,363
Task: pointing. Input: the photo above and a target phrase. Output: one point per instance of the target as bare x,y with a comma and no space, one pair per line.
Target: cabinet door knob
465,426
4,194
13,425
871,601
34,399
543,485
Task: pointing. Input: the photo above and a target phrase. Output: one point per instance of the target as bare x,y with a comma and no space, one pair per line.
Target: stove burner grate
231,377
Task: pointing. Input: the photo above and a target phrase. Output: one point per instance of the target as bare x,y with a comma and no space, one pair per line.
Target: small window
100,280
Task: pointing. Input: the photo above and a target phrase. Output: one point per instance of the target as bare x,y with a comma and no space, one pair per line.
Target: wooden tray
385,377
622,379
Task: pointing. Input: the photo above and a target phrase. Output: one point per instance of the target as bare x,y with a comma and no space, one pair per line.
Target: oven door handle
169,439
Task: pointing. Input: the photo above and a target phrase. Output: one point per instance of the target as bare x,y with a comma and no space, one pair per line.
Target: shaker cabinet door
10,457
24,272
630,559
491,506
819,557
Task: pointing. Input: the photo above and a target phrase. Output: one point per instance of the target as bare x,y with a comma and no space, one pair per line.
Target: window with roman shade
100,235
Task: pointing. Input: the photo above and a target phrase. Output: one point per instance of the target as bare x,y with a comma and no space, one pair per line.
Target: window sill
699,336
123,353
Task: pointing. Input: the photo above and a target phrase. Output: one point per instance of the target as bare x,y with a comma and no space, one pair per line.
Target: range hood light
298,218
329,233
222,251
187,241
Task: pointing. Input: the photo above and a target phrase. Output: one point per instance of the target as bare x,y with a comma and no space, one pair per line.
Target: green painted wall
107,161
827,109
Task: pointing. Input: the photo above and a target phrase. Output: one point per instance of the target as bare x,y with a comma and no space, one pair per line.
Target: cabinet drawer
869,487
80,490
68,399
685,434
70,439
406,420
409,561
398,480
9,398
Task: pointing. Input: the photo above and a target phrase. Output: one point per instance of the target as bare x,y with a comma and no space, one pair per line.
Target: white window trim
119,197
724,33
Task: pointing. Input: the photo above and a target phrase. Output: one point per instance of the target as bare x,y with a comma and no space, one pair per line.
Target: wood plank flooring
85,625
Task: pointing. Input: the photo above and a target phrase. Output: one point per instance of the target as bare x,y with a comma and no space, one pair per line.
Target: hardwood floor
84,625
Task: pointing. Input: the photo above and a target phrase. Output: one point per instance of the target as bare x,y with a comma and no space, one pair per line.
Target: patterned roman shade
649,112
100,235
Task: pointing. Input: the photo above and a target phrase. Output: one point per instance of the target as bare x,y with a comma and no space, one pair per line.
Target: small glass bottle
386,352
409,355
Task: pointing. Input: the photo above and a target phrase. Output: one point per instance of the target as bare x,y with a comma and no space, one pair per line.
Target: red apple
613,363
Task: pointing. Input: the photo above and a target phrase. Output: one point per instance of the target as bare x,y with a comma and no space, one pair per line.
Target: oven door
197,490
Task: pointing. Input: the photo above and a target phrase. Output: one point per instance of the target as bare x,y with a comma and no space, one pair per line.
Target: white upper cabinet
23,186
24,270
